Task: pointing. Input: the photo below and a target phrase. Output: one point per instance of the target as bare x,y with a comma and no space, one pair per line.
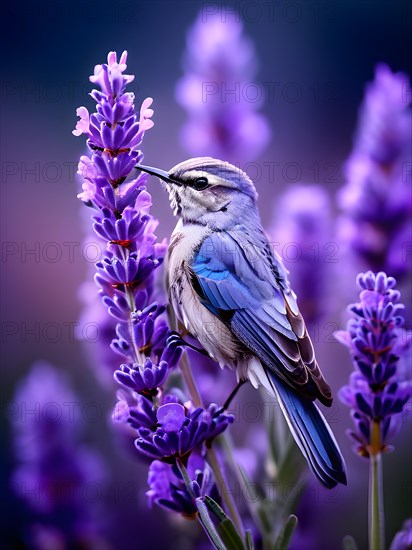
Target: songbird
231,291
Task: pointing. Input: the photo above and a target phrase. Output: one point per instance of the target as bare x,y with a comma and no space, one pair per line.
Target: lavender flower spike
122,220
377,391
376,201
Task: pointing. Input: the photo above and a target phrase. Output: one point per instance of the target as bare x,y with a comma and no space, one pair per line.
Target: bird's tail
311,433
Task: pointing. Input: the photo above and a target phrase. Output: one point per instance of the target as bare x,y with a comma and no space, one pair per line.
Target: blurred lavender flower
96,330
376,201
302,227
403,539
219,93
54,468
377,390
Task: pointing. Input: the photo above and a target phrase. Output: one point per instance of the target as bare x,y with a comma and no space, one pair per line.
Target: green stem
203,517
207,524
224,492
376,513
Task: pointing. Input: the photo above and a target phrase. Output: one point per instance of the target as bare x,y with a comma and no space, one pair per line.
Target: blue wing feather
257,297
260,323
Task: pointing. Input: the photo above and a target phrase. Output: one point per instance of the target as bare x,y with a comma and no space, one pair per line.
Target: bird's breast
184,242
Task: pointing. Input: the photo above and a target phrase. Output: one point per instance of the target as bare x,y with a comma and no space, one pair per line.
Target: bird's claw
174,339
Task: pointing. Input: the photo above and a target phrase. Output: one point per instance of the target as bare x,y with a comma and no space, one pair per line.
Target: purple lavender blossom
54,468
135,410
143,379
376,201
301,235
122,220
403,539
220,66
110,229
377,391
179,431
167,488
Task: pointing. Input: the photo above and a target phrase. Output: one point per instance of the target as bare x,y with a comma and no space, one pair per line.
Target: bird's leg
231,396
176,339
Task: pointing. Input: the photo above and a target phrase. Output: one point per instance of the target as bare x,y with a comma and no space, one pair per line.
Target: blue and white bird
230,290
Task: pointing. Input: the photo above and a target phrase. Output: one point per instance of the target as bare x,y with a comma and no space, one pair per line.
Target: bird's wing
242,282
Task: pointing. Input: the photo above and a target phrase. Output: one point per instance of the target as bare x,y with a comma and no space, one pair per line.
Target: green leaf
264,512
292,464
229,535
249,540
208,526
348,543
262,519
225,527
203,517
286,534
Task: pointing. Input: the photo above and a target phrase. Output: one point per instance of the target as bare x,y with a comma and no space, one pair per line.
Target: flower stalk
211,453
376,509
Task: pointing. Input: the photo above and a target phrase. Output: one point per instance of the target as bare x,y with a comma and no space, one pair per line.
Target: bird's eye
200,183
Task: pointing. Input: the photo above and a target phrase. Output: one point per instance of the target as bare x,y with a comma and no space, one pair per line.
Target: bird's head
207,191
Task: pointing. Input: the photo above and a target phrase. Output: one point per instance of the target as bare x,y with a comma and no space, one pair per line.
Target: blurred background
305,82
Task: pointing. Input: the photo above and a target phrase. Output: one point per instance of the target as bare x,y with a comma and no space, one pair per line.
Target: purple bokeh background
315,59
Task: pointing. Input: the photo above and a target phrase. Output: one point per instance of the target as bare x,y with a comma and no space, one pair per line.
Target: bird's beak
165,176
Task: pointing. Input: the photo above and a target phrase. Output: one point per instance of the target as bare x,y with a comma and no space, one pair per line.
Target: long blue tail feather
311,433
